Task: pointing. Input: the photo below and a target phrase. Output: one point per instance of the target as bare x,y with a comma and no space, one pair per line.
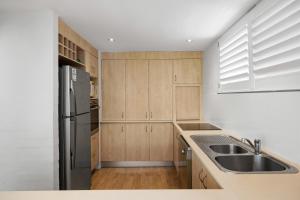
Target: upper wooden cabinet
137,90
161,142
113,90
137,142
187,102
160,89
91,64
187,71
113,142
75,50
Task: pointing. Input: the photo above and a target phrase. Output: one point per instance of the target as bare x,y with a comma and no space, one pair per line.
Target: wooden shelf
69,61
69,50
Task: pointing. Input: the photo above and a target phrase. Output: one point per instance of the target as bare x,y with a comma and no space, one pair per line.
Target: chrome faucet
256,146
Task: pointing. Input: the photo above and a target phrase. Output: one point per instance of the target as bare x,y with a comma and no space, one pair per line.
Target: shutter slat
234,61
277,18
271,12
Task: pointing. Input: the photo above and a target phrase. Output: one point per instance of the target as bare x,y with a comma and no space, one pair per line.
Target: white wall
272,117
28,101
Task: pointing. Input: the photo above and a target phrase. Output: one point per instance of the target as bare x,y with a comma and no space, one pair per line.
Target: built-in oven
185,164
94,108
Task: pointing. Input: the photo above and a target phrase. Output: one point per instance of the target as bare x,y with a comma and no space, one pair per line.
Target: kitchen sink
228,149
197,126
232,155
250,163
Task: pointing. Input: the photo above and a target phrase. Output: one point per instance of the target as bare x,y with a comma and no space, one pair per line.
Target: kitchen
106,106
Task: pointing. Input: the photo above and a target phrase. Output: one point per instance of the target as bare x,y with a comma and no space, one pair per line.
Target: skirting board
137,164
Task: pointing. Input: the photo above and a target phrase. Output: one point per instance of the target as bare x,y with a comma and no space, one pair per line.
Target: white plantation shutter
276,47
234,62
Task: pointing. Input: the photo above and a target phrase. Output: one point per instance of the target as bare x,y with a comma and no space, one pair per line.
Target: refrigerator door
75,91
80,88
78,151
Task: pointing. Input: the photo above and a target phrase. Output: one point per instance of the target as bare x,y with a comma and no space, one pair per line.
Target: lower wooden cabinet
113,142
94,151
137,142
161,142
201,178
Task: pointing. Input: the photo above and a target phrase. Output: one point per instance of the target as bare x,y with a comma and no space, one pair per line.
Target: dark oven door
94,119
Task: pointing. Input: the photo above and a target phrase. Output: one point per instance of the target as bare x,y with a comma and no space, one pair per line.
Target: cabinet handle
122,129
146,115
146,128
150,115
200,174
151,128
175,77
122,115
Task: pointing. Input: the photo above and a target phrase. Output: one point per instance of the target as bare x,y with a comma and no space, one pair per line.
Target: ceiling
143,25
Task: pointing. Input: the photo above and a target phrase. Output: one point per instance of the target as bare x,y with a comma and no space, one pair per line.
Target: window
271,55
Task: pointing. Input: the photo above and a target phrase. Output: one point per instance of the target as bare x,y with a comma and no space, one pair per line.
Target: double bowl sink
231,155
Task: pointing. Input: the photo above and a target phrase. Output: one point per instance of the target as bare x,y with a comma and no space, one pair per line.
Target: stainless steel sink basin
197,126
231,155
228,149
250,163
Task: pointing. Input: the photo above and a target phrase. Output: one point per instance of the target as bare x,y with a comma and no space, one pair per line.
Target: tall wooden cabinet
137,90
142,93
113,82
160,89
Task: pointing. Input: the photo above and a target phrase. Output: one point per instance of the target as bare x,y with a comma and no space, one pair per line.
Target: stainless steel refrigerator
75,131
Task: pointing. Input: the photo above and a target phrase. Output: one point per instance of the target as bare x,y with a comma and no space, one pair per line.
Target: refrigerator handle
74,98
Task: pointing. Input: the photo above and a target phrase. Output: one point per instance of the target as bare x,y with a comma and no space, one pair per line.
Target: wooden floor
135,178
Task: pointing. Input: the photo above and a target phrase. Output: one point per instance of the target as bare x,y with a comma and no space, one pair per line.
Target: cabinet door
137,90
197,173
161,142
160,89
137,142
94,150
113,142
113,90
187,102
187,71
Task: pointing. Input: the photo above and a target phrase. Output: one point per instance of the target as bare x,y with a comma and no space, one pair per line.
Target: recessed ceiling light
189,40
111,39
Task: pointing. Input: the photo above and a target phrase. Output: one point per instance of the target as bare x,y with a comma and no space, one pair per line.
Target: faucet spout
256,146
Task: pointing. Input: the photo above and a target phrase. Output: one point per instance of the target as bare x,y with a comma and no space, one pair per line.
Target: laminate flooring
135,178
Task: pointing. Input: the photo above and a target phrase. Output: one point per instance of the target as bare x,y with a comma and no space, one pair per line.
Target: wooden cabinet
201,178
176,149
137,142
137,90
161,142
91,63
187,71
113,142
187,102
160,89
113,90
94,151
